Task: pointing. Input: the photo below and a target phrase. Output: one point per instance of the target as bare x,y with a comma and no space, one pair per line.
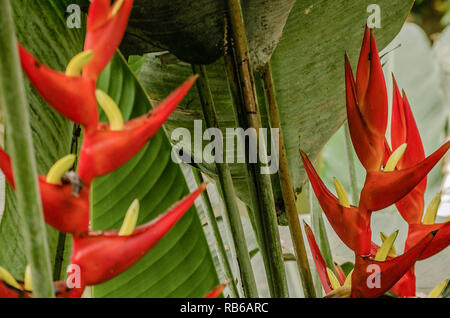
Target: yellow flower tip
341,193
437,291
395,158
6,277
341,292
386,247
27,281
335,284
58,170
76,64
116,7
111,110
393,251
348,279
431,212
130,220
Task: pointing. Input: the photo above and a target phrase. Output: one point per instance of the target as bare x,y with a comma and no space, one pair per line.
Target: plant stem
265,214
351,165
22,154
287,190
226,182
216,231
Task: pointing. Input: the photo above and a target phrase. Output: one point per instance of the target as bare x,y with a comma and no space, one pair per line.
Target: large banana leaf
308,71
194,30
180,265
41,28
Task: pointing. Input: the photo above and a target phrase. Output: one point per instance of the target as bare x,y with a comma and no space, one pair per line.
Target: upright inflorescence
99,256
395,174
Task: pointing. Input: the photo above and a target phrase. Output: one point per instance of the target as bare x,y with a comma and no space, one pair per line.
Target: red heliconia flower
104,255
367,113
62,210
351,224
373,278
417,232
367,105
104,150
106,25
7,291
406,286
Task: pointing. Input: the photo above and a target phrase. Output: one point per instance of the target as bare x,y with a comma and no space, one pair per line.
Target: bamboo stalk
218,237
231,208
287,190
22,154
267,216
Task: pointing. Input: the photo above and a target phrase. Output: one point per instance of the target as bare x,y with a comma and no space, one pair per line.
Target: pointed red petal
418,231
102,256
216,292
321,266
369,148
404,130
382,189
63,291
6,167
62,210
406,286
104,151
72,96
374,107
387,273
104,34
363,70
351,225
340,273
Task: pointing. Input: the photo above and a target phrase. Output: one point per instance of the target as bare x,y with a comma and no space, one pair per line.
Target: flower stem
226,182
287,190
263,201
20,144
216,231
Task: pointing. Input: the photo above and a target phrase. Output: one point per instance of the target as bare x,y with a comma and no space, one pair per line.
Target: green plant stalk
265,215
20,144
287,190
226,182
351,165
218,237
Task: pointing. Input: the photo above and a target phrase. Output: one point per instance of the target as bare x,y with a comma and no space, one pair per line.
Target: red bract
373,278
321,266
104,255
367,105
61,291
106,26
216,292
62,210
404,130
382,189
350,224
72,96
104,150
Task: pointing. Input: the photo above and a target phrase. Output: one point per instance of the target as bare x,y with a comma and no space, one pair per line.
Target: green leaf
308,71
41,28
195,30
180,265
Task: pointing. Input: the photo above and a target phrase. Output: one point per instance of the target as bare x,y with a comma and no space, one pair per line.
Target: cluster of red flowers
397,176
99,256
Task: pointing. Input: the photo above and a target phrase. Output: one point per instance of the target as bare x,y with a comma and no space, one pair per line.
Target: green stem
351,165
226,182
21,148
265,214
287,190
216,232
